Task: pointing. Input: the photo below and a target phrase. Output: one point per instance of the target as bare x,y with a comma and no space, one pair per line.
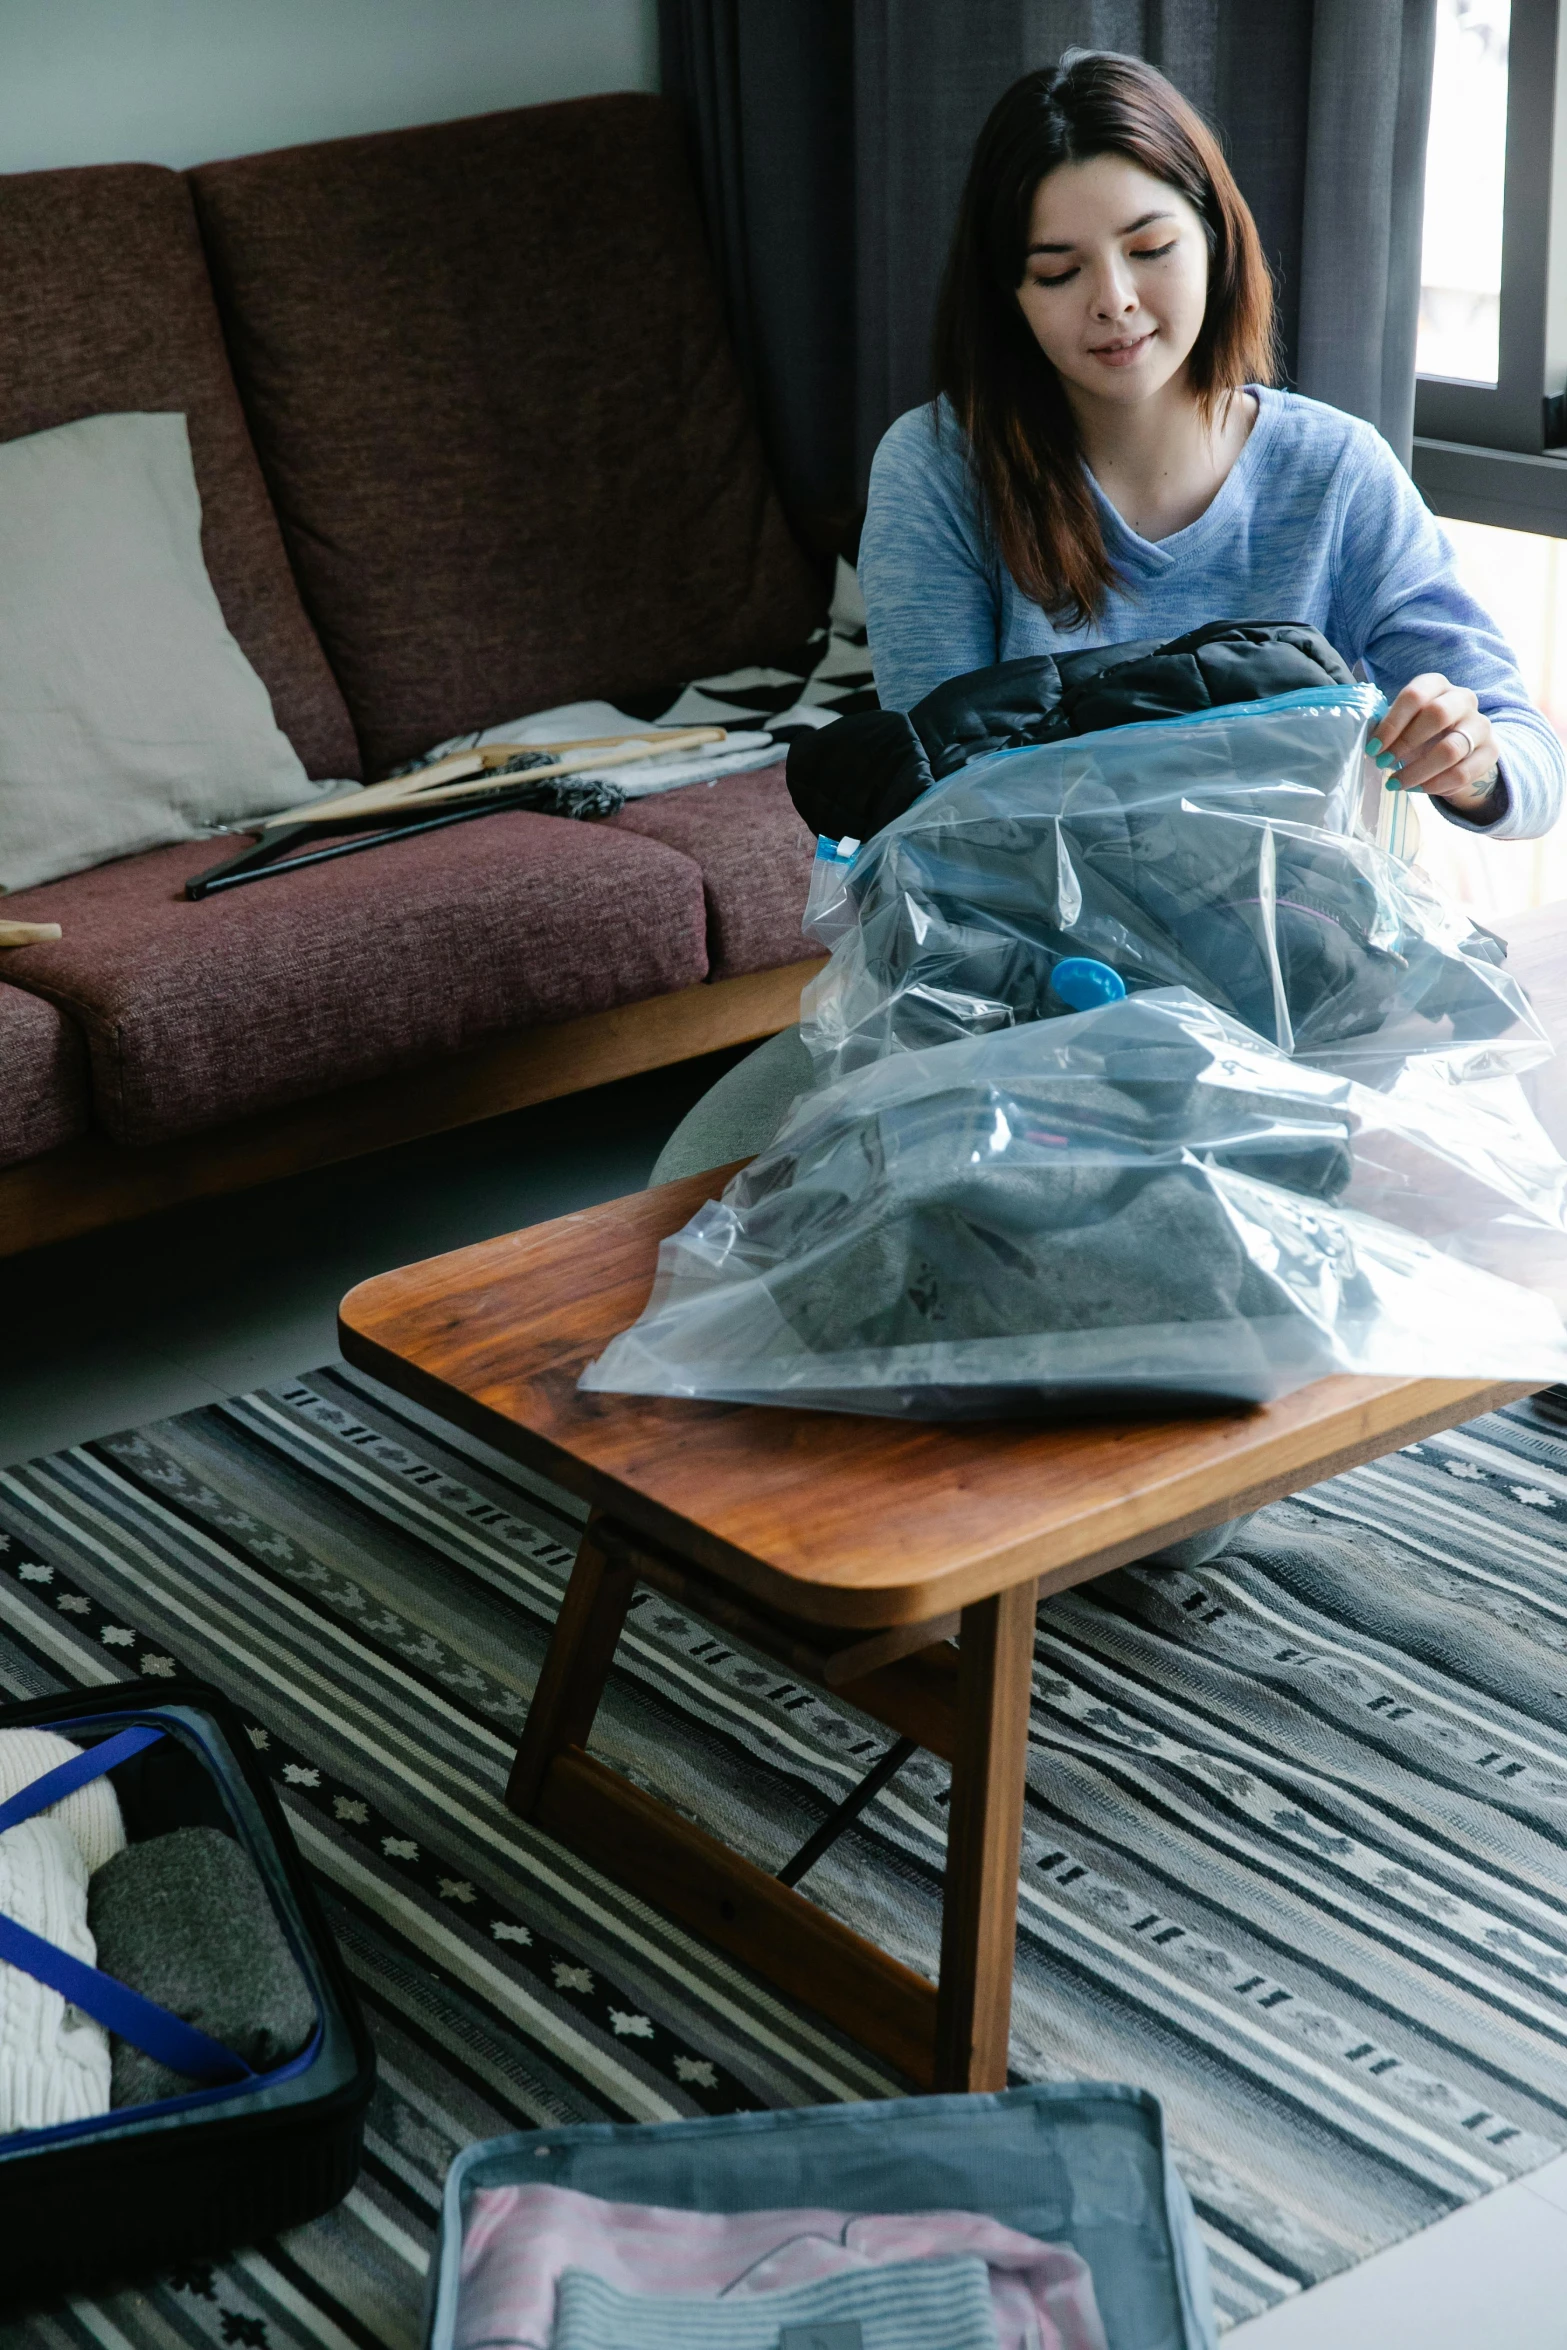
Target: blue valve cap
1081,983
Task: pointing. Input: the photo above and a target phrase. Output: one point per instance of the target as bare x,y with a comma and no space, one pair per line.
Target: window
1521,578
1461,249
1491,358
1492,347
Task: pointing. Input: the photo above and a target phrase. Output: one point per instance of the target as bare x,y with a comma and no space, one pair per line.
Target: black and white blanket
762,709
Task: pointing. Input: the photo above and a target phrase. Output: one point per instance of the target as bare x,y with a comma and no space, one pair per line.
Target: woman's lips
1122,354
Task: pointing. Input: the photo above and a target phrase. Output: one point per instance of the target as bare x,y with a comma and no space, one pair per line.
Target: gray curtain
767,92
1369,105
1322,108
831,138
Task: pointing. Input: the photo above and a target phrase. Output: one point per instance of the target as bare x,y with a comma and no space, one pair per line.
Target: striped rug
1294,1847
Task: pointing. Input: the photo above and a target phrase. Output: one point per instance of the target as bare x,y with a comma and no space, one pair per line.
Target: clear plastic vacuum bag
1218,852
1140,1201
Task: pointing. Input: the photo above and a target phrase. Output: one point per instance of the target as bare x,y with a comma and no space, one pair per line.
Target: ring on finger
1469,749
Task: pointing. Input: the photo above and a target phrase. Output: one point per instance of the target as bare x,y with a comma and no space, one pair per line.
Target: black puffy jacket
850,779
977,902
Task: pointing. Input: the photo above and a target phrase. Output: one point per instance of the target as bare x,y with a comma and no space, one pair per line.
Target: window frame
1482,452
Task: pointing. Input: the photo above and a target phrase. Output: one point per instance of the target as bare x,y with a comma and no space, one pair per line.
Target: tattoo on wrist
1488,792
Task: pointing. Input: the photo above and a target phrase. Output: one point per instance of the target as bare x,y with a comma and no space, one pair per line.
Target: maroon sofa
470,443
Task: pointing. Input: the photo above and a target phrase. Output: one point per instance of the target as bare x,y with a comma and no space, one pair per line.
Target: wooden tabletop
849,1520
842,1519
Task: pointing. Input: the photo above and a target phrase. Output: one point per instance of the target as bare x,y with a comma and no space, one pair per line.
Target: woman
1106,459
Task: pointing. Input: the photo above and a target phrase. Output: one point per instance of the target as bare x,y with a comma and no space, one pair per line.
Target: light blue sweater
1316,521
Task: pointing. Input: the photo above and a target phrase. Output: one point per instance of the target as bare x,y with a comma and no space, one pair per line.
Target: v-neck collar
1156,556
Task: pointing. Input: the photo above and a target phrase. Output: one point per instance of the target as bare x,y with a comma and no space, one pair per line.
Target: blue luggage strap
167,2038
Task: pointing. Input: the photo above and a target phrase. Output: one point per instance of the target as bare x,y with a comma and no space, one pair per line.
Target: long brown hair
1022,436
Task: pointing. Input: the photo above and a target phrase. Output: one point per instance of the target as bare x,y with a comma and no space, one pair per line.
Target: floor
121,1328
1493,2277
127,1326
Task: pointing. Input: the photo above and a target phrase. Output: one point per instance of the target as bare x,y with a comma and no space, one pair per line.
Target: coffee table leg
581,1651
973,2006
984,1841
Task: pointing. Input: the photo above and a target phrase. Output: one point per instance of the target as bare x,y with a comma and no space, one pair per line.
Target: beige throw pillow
128,714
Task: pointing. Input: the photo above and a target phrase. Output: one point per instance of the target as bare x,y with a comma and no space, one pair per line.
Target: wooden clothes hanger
449,791
465,773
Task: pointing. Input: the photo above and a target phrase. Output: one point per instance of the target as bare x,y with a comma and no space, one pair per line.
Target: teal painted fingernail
1388,763
1373,744
1391,783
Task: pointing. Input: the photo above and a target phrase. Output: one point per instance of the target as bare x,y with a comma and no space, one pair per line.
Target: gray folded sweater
1100,1214
185,1920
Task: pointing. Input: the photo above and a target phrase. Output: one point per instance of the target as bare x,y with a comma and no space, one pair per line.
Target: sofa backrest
486,373
105,304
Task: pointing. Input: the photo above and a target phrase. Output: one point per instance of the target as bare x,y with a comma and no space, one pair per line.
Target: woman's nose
1114,294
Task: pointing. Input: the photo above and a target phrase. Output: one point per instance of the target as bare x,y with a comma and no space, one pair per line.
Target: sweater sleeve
1406,611
931,601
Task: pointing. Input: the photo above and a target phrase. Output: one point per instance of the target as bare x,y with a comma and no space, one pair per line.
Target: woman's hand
1434,739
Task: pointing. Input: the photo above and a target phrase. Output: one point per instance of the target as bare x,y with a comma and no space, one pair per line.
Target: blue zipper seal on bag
1357,696
1368,699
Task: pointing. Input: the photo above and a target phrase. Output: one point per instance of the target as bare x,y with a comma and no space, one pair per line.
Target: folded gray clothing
906,2305
1192,905
1142,1199
1111,1223
185,1920
1209,856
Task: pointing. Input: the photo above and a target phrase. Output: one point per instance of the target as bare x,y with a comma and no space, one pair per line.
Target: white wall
186,81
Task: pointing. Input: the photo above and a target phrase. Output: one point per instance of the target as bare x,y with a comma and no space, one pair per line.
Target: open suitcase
127,2192
1077,2163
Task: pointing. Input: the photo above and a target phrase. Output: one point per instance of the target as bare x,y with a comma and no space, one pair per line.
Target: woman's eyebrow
1131,229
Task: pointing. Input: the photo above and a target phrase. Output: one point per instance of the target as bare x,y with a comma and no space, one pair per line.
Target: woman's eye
1064,279
1155,252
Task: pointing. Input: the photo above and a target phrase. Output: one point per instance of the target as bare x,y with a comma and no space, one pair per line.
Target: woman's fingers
1427,707
1406,706
1434,739
1448,765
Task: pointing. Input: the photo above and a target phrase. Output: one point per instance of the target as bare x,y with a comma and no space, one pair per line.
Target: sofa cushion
43,1077
487,376
755,856
197,1013
128,714
105,304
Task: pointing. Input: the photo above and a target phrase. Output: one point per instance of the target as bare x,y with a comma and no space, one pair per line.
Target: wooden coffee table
895,1563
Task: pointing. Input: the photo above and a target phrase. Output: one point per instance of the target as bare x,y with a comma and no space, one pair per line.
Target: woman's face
1115,279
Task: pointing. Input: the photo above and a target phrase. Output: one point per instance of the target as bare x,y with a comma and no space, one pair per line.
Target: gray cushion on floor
185,1920
739,1115
1198,1549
